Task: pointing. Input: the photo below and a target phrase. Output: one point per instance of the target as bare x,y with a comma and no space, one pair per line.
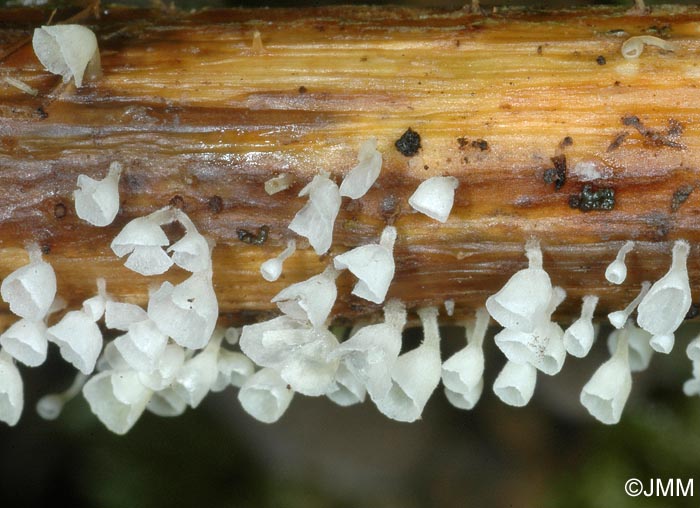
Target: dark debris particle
42,113
462,142
302,89
557,174
481,144
409,143
59,210
216,204
654,137
539,50
693,312
600,60
617,142
590,199
260,238
45,248
567,141
177,202
680,196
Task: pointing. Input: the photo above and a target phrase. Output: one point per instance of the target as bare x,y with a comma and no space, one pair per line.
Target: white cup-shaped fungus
616,272
692,351
521,303
515,384
198,374
187,312
360,178
79,340
166,403
316,219
95,306
579,337
143,239
233,368
373,265
272,268
142,345
26,341
117,416
11,390
311,299
606,393
267,353
620,317
97,201
169,364
347,389
415,374
50,406
463,372
31,289
68,50
265,396
634,46
665,306
640,351
120,315
434,197
192,252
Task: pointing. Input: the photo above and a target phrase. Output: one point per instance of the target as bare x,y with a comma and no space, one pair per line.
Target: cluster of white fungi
169,355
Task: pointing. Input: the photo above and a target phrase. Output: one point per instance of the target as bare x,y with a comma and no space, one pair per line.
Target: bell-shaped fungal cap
434,197
316,220
272,268
167,403
311,299
373,265
233,369
579,337
265,396
115,414
264,351
169,364
120,316
515,384
26,342
640,351
620,317
347,389
665,305
143,238
693,349
79,339
68,50
463,372
95,306
415,374
521,303
616,272
97,201
186,312
31,289
11,391
360,178
142,346
198,375
192,252
50,406
606,393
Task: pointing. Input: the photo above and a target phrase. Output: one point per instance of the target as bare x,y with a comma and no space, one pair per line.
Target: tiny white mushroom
26,341
311,299
373,265
50,406
521,303
272,268
97,201
435,196
515,384
620,317
579,337
640,351
169,364
265,396
31,289
116,415
278,183
167,403
96,305
634,46
347,389
198,374
693,349
142,345
616,272
120,315
68,50
449,307
79,339
360,178
233,368
606,393
665,306
11,390
316,219
143,239
192,252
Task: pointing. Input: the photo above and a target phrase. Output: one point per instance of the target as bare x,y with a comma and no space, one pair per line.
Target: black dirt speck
680,196
59,210
600,60
557,174
409,143
216,204
590,199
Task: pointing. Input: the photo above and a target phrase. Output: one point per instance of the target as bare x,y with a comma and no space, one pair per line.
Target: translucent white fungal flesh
272,268
278,183
79,339
616,272
579,337
450,307
264,352
620,317
142,346
634,46
316,219
347,388
693,349
116,415
373,265
50,406
522,302
95,306
97,201
606,393
640,351
198,374
31,289
462,373
311,299
120,315
515,384
192,252
26,342
68,50
11,391
665,306
169,364
265,396
309,369
360,178
415,374
233,369
166,403
21,85
434,197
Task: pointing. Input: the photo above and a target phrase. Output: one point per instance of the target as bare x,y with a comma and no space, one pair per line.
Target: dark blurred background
548,454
